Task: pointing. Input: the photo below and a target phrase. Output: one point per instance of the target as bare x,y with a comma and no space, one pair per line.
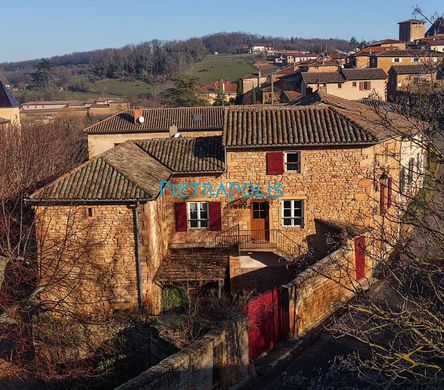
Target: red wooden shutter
361,85
360,257
382,198
275,163
180,211
215,216
389,193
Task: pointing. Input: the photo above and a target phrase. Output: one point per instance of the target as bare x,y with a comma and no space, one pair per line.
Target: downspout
137,255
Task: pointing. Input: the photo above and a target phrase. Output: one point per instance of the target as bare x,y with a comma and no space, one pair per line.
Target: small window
414,59
354,84
293,161
402,178
397,59
90,212
198,215
197,117
339,85
293,213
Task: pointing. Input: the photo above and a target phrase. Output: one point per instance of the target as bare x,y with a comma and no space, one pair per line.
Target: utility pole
272,88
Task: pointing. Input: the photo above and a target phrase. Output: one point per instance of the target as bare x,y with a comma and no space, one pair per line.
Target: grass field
105,87
216,67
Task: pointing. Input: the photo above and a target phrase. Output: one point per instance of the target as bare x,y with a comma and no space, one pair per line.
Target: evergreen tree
239,92
184,93
253,96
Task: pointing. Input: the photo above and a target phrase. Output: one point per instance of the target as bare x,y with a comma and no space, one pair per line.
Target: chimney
173,130
137,114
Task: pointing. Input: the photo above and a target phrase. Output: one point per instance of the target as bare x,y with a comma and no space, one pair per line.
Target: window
414,59
89,212
397,59
293,161
293,213
339,85
259,210
198,215
402,177
365,85
354,84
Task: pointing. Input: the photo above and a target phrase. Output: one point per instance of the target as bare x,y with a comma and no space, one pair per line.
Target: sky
43,28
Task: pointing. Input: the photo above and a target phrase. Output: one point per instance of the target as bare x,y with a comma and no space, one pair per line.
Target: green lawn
217,67
115,87
105,87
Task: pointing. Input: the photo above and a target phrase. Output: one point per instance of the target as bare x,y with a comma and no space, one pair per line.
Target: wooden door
259,221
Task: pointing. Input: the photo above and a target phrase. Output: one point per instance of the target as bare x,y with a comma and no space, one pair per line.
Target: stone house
141,123
352,84
225,87
178,209
411,30
404,79
9,107
386,59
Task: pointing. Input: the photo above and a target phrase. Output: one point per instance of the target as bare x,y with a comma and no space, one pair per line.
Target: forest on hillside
152,59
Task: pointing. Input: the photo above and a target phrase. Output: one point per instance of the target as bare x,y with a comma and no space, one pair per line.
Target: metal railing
273,239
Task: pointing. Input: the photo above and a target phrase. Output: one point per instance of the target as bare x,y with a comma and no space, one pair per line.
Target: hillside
217,67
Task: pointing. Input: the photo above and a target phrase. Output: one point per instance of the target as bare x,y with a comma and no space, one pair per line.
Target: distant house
253,80
437,28
404,79
227,88
435,43
295,56
9,107
386,59
259,48
48,110
361,59
352,84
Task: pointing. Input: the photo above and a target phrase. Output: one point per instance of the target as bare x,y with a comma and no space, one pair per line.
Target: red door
360,257
267,322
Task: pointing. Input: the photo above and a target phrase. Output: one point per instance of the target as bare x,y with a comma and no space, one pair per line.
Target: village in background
108,281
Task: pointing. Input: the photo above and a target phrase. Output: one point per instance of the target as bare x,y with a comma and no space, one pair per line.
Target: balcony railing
274,240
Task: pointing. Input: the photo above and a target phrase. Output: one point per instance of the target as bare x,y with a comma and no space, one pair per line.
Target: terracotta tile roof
184,155
193,265
368,51
364,74
132,170
253,126
410,53
123,173
385,42
410,69
229,86
6,97
160,119
322,77
381,123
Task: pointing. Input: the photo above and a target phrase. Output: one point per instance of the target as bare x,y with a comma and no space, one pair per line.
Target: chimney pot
137,113
173,130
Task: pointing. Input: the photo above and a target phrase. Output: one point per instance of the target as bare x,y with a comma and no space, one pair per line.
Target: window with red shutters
215,216
275,163
180,211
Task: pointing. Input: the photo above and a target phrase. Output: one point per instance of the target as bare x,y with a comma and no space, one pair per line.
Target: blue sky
42,28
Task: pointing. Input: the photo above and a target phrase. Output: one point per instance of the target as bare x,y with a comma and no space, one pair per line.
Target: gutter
72,202
134,208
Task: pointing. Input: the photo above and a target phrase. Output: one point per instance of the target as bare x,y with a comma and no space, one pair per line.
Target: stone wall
219,357
318,291
88,260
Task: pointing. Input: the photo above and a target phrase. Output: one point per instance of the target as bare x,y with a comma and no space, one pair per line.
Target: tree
253,96
185,93
402,325
42,75
239,92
